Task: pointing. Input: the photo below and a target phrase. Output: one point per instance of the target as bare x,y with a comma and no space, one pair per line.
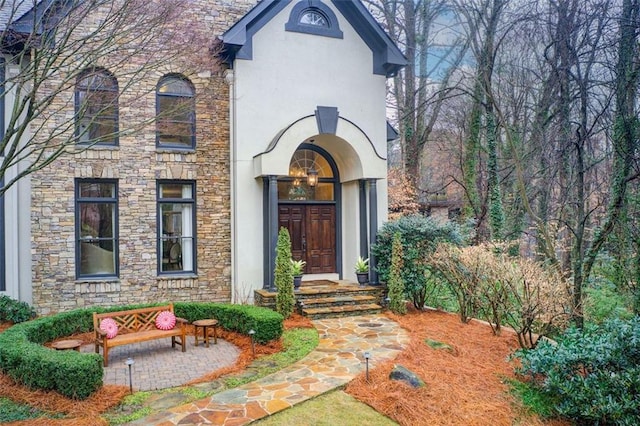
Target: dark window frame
3,253
114,88
78,224
304,6
194,226
192,112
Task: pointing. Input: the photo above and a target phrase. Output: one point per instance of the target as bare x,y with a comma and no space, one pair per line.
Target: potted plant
362,270
297,268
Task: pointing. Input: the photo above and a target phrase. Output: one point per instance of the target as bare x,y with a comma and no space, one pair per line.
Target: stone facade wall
137,164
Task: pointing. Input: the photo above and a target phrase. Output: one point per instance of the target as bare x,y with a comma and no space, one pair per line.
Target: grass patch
12,411
344,410
532,398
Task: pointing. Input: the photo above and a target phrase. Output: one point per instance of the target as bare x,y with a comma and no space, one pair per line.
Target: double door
312,228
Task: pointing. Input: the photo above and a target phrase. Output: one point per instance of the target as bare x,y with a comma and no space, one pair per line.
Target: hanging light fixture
312,177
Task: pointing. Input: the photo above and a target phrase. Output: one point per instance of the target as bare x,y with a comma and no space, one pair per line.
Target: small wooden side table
64,345
205,324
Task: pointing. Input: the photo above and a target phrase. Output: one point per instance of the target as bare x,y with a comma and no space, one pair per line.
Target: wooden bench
137,325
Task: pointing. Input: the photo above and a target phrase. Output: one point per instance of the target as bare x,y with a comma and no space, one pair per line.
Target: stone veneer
137,165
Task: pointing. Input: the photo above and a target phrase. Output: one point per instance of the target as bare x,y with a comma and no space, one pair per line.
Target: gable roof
19,15
387,58
12,10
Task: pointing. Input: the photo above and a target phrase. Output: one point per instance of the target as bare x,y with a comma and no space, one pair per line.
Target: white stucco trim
351,148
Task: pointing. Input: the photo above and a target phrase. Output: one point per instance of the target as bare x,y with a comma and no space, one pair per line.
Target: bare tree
53,44
425,31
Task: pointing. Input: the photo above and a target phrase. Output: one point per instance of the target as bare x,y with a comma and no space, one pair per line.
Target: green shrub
78,375
285,299
71,373
602,301
14,311
267,324
395,284
419,236
591,375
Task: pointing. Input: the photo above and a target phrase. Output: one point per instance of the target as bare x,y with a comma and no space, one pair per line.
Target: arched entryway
309,207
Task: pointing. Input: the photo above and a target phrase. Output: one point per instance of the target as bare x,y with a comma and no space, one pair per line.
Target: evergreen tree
285,299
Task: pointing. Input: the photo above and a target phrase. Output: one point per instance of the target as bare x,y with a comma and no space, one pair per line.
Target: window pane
97,190
175,86
97,221
298,190
176,190
96,260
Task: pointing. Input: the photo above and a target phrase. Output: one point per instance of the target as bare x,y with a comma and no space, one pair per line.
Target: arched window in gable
313,17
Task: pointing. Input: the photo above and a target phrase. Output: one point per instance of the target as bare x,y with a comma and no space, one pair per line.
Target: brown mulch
464,386
87,412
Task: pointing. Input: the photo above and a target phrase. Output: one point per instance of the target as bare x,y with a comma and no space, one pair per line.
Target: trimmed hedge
78,375
71,373
267,324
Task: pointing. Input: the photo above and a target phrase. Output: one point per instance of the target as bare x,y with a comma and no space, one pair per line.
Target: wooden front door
312,228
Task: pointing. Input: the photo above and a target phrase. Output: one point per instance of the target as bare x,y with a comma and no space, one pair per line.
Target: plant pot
297,280
363,277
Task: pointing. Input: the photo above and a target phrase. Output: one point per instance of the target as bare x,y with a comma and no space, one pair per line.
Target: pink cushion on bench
109,326
165,320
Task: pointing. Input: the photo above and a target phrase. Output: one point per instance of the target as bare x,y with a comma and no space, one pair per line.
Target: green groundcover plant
591,375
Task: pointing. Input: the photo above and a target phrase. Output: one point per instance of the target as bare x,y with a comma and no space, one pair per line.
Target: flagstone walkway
337,359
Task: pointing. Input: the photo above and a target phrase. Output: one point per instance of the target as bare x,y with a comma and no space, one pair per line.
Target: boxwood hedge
78,375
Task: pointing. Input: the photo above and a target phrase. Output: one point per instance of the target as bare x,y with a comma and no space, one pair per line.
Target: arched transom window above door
310,178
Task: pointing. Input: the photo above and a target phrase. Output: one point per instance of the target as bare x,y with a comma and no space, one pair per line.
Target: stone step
341,311
342,300
339,294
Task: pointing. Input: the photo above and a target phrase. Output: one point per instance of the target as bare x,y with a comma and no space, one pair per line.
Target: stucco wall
289,75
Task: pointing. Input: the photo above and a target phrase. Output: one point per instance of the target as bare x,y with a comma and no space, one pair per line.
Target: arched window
176,113
313,17
96,102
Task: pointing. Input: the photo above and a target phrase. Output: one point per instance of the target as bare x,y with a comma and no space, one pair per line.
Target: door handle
304,244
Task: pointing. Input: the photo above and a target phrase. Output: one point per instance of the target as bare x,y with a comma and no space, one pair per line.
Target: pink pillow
109,326
165,320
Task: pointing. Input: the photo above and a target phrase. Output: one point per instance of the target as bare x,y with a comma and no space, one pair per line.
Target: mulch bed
464,385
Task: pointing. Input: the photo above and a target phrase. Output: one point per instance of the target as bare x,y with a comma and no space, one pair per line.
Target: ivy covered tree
285,300
395,284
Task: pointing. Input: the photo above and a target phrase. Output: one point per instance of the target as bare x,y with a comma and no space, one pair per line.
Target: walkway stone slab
337,360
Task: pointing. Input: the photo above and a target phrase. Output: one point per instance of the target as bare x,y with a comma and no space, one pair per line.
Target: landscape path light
252,333
130,363
367,355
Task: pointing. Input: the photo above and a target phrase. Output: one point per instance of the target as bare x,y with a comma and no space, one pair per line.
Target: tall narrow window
176,115
96,228
97,107
176,227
